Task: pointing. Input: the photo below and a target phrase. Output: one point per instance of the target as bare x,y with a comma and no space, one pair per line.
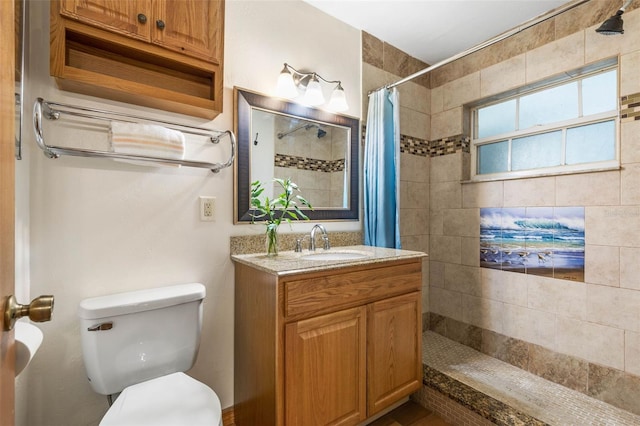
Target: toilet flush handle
101,327
39,310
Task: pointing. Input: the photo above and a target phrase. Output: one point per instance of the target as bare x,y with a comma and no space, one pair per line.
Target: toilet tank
131,337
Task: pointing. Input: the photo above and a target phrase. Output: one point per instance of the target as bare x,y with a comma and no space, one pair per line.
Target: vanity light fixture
290,80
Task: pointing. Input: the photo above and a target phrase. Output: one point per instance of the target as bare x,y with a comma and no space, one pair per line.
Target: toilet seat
172,400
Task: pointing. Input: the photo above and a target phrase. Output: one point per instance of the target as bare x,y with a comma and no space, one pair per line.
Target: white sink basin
28,339
336,255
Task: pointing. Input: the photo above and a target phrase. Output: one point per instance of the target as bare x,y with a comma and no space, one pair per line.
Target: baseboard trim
228,417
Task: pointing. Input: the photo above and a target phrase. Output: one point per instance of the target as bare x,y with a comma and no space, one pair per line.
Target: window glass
599,93
497,119
561,127
493,157
549,106
591,143
533,152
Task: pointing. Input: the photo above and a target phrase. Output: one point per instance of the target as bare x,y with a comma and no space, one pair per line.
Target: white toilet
139,343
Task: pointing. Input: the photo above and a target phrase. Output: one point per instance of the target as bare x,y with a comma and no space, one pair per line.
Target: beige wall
97,227
414,123
598,320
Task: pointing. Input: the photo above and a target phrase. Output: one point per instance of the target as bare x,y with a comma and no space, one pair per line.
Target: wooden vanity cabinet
165,54
326,347
394,365
325,369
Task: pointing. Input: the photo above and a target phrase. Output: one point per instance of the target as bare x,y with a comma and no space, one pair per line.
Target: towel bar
53,110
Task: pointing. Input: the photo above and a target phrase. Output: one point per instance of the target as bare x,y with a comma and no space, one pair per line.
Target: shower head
321,133
613,25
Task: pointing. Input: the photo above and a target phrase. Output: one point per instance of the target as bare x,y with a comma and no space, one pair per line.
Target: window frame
563,126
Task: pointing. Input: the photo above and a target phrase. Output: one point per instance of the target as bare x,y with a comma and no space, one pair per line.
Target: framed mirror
317,149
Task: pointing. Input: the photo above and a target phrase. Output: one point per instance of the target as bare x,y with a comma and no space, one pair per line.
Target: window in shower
567,126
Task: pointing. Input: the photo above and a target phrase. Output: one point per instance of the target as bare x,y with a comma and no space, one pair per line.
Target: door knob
39,310
160,24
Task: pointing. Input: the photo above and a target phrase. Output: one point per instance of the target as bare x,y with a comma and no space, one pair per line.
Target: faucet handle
327,244
298,248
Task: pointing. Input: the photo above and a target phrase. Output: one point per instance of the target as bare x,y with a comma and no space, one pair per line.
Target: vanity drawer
337,289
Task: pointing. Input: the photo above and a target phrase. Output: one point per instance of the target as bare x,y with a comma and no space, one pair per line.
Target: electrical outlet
207,208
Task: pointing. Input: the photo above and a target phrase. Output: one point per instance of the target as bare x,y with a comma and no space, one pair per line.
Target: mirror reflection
318,150
312,154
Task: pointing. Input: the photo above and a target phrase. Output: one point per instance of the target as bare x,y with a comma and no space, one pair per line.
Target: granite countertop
290,262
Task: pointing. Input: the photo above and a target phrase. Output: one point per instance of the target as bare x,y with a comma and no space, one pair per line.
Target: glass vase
272,242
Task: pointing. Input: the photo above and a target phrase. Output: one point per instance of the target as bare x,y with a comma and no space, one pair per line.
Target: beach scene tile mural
545,241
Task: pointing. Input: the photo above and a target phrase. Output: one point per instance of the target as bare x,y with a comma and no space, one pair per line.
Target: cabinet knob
142,18
160,24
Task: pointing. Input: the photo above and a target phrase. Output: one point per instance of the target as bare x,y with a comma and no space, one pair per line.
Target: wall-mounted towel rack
53,111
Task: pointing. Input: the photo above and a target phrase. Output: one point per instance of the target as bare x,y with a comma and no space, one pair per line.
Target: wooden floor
410,414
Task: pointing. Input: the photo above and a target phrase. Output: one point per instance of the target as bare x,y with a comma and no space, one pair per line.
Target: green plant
273,211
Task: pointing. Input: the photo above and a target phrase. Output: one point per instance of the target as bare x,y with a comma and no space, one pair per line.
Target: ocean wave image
546,241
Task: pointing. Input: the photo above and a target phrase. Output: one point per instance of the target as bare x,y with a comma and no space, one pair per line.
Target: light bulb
338,101
286,87
313,96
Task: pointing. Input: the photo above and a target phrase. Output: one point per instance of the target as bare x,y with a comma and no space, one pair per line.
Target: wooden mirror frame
244,102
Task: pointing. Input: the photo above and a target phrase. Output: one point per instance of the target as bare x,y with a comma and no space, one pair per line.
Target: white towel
146,139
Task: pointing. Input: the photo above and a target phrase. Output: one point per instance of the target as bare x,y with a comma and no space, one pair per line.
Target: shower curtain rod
528,24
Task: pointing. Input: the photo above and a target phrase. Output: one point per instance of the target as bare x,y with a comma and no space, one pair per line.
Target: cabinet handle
142,18
160,24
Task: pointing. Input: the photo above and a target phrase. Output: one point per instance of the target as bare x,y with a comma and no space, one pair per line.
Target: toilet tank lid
140,300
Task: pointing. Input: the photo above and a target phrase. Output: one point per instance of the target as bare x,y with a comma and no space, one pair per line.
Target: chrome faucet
312,239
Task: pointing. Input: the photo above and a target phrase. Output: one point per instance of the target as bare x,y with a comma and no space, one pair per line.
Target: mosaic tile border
606,384
415,146
434,148
630,107
311,164
450,145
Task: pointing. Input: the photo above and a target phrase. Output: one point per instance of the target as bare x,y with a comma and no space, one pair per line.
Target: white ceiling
434,30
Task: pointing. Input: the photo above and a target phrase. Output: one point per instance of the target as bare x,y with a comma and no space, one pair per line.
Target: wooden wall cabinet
165,54
328,347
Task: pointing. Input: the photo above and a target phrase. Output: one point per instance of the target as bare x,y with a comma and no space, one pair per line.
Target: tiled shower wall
587,331
383,64
583,335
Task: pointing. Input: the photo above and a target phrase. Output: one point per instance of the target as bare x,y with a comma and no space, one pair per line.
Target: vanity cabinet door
325,372
394,351
122,17
190,27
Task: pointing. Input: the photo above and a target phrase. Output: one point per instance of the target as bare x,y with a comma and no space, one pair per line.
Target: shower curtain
382,170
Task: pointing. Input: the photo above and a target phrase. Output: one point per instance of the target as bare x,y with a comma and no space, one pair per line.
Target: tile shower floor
546,401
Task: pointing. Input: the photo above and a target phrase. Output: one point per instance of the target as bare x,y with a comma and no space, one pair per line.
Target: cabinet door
394,350
325,373
113,15
194,28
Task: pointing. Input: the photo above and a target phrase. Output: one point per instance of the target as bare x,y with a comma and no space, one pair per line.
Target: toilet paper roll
28,340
